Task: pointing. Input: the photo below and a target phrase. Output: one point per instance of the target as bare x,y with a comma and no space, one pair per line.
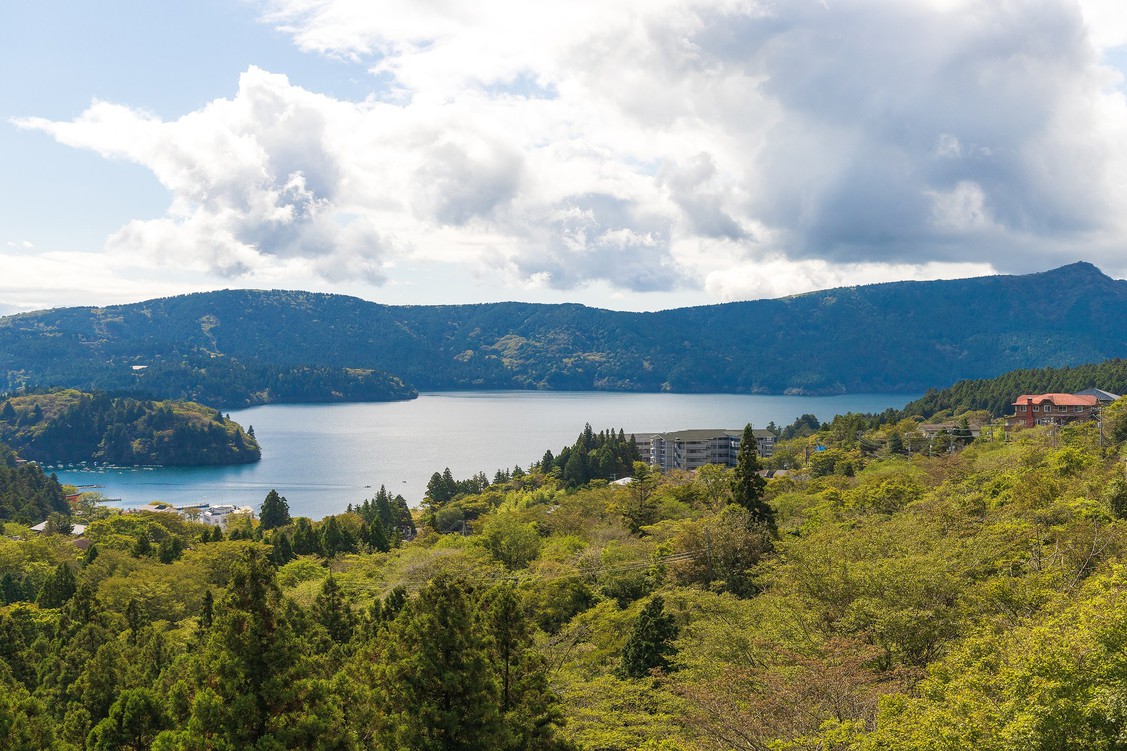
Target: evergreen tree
332,611
334,539
282,552
304,539
378,536
274,512
748,485
529,709
133,722
142,548
437,692
651,641
58,588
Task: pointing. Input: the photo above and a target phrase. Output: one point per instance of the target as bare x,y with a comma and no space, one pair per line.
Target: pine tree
275,511
437,691
651,642
58,588
748,485
332,611
334,539
529,709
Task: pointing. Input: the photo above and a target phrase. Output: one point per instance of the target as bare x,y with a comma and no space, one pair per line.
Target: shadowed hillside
901,336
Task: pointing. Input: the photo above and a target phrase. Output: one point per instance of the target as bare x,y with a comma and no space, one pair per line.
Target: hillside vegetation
240,347
974,598
996,395
72,426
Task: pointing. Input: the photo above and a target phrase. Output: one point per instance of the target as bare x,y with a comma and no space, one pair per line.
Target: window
1036,408
1048,408
1078,408
1021,408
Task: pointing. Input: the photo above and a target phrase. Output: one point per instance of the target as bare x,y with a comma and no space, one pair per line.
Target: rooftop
1060,400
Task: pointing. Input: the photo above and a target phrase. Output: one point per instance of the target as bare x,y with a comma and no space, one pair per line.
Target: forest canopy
72,426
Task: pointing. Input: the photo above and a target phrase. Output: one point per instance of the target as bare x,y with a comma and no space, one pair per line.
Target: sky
627,154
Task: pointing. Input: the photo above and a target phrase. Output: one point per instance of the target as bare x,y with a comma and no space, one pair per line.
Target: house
76,529
216,515
931,429
1103,397
1052,409
691,449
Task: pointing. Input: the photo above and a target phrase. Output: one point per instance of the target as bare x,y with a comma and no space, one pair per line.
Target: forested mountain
897,337
71,426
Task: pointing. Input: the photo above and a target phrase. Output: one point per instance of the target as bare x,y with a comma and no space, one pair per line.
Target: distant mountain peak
1074,270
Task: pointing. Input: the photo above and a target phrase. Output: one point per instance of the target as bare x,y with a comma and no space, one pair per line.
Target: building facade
692,449
1051,409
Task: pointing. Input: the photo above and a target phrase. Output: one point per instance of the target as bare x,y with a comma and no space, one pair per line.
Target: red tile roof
1060,400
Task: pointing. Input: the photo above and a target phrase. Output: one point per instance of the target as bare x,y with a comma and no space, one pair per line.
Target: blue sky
632,154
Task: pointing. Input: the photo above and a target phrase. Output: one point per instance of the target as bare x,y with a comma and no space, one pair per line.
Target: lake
323,457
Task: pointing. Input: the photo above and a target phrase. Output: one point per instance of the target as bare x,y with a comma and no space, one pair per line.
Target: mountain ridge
894,336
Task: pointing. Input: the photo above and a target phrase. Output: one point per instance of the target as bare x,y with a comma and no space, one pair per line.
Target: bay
323,457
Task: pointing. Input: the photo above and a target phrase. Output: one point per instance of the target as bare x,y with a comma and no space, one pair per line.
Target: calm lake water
323,457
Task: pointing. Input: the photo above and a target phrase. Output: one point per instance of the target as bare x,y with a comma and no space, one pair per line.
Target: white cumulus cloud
735,146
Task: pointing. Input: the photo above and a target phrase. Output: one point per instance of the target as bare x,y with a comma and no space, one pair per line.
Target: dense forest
223,382
72,426
914,335
997,395
870,598
27,495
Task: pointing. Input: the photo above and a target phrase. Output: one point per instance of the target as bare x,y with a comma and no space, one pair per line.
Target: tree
58,588
511,541
333,612
529,708
134,720
58,524
335,538
275,511
640,509
748,485
717,484
651,642
437,690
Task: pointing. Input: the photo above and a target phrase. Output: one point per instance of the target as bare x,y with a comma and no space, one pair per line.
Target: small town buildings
1053,409
692,449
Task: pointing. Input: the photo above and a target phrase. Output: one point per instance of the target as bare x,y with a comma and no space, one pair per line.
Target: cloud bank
744,148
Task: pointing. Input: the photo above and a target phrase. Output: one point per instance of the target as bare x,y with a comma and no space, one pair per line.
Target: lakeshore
323,457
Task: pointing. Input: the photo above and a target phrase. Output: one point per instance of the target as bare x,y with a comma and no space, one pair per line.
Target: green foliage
438,691
650,645
70,426
972,599
748,485
275,511
27,495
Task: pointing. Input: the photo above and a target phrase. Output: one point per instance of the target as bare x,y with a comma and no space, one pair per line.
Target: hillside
974,599
71,426
889,337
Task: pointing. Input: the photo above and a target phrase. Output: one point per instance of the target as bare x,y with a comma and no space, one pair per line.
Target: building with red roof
1051,409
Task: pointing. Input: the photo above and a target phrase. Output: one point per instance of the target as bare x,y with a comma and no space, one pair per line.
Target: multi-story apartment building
690,449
